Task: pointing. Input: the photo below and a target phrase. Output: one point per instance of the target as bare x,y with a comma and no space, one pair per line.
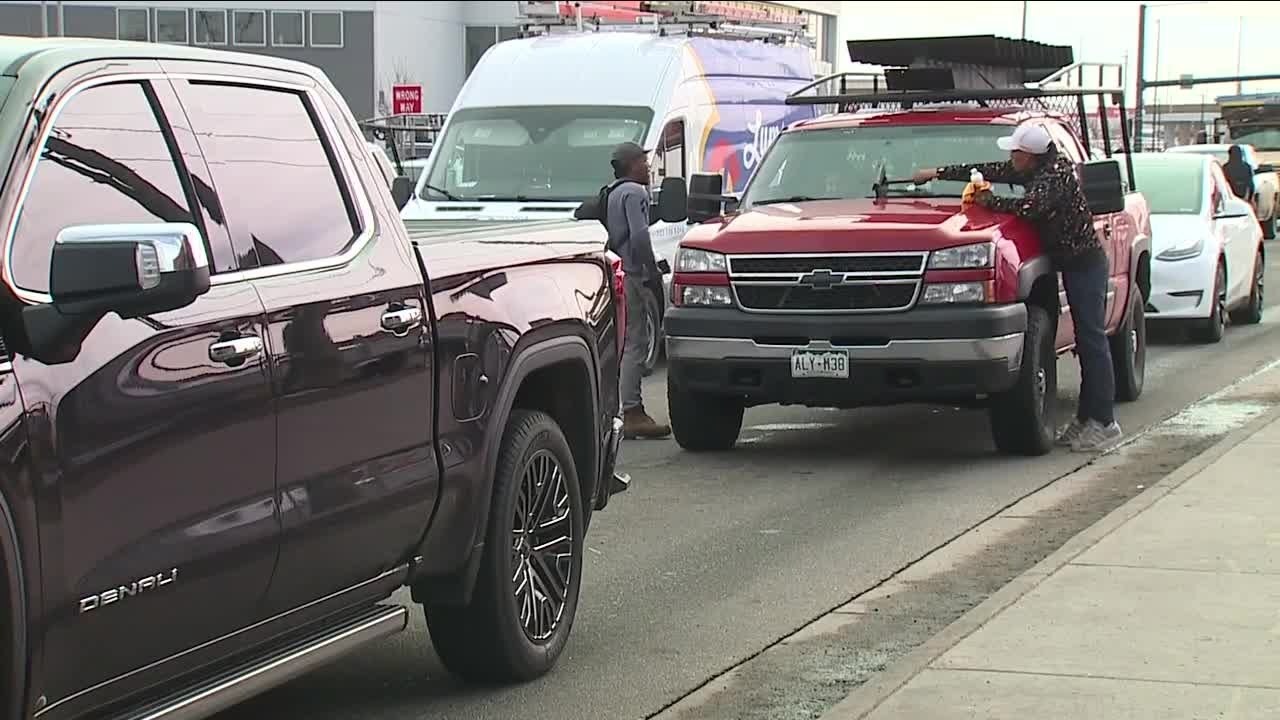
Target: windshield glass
1262,138
531,153
1172,185
846,162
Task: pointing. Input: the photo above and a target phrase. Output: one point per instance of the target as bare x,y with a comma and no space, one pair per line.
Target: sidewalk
1168,611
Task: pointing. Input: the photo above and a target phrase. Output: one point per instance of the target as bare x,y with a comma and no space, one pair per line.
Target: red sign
406,99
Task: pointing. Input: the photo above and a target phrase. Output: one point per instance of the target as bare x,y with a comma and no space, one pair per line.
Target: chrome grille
854,282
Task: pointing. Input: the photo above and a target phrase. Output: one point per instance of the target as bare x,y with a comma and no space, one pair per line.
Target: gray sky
1200,38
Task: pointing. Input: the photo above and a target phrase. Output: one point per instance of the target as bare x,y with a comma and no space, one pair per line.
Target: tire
488,640
1129,349
653,318
1251,314
1211,329
1022,417
701,422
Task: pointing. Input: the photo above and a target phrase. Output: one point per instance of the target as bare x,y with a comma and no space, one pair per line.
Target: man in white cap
1054,204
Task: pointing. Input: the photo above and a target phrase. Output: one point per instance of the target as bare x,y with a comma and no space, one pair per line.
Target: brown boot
637,425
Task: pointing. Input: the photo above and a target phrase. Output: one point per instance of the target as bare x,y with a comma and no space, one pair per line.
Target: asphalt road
709,559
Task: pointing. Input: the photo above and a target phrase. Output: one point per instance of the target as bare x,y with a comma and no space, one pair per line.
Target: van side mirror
129,269
673,199
401,191
1103,186
706,197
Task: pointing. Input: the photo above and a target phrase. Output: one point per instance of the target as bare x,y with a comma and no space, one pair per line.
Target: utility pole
1240,56
44,18
1142,79
1024,19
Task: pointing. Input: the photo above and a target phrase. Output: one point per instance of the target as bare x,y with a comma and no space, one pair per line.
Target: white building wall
419,43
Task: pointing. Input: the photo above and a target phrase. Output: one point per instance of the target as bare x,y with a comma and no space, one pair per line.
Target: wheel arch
544,354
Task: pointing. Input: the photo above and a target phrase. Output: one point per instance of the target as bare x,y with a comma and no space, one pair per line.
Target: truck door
156,449
348,329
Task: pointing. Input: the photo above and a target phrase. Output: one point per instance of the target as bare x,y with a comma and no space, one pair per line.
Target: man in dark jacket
1240,174
627,220
1055,205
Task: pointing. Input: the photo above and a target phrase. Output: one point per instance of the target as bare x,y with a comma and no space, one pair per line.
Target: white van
530,134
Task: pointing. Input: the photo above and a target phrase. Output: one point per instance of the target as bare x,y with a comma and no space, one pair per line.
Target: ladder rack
710,19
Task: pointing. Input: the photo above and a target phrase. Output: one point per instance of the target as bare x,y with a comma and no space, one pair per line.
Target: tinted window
846,162
272,171
106,161
1173,185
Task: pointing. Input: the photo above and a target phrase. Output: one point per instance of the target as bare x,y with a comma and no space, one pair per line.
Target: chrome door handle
401,321
235,351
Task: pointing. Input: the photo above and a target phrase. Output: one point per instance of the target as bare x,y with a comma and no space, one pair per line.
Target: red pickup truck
830,285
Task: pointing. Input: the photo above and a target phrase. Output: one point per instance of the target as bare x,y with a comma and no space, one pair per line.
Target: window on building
266,153
211,27
288,28
106,161
171,25
133,24
326,29
480,38
249,27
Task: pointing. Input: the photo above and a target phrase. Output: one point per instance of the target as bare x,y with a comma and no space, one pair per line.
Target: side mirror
1264,168
1103,186
731,202
673,199
1232,208
129,269
401,191
706,199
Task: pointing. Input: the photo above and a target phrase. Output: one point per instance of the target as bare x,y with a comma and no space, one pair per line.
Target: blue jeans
1087,295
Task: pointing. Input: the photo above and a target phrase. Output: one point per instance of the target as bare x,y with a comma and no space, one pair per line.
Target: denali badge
116,594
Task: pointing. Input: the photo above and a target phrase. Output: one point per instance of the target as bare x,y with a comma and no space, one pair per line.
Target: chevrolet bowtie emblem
822,279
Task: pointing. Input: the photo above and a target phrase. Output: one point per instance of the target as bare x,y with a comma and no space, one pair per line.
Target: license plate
820,364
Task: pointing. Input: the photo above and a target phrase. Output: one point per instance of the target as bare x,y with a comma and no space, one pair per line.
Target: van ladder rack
710,19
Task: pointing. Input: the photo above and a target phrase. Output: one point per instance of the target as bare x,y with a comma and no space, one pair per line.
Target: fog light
949,293
705,295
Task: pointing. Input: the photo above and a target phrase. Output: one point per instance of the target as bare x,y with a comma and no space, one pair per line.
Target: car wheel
526,593
1022,417
1129,349
1211,329
702,422
1251,314
653,332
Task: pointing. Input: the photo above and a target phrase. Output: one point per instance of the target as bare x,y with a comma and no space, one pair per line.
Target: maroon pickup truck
242,405
834,285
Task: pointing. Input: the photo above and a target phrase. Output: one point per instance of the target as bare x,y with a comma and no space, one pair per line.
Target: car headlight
965,257
705,295
700,261
1183,250
952,293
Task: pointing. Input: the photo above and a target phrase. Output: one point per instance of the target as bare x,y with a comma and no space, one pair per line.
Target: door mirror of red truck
401,191
673,200
706,197
1103,186
132,270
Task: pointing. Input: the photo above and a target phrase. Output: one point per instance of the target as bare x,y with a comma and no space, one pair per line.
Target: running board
282,665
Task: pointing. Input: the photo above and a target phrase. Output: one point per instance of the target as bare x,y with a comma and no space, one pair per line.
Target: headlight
1183,251
948,293
700,261
965,257
705,295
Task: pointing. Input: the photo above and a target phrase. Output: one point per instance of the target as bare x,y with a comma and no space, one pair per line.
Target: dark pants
1087,295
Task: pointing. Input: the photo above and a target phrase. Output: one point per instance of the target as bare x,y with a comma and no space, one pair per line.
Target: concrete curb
870,695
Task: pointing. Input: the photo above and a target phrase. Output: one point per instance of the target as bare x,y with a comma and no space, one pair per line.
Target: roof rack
710,19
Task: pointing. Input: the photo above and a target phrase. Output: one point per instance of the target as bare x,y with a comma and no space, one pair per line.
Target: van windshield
845,162
553,153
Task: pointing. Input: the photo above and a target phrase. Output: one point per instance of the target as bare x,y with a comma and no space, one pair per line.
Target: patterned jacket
1053,203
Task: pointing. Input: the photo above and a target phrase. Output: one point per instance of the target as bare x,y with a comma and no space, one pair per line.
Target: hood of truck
461,248
487,210
828,226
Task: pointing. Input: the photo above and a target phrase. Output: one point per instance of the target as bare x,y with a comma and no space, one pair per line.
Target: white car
1265,180
1207,245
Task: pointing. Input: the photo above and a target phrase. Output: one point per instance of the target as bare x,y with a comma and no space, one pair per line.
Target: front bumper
925,355
1182,289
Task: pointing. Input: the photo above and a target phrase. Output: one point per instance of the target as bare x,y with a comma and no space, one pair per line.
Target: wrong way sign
406,99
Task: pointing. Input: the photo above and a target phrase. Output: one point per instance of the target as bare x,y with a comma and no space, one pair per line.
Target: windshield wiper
792,199
916,192
518,198
448,195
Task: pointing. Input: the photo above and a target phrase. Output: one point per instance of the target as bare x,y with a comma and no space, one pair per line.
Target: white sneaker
1096,436
1070,433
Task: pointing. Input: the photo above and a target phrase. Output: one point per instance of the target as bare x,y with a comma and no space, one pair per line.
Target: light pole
1240,56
